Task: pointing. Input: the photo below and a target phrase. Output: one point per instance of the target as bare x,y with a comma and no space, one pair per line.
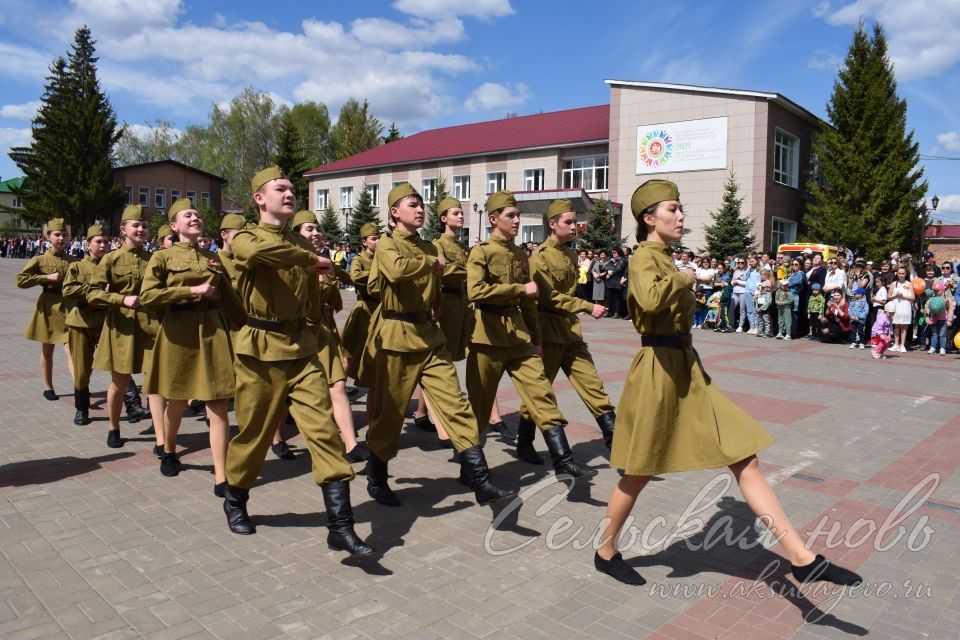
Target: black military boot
561,455
342,537
81,402
473,465
606,423
526,431
235,508
131,400
377,485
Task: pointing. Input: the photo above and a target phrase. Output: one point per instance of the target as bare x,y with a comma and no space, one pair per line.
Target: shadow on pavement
19,474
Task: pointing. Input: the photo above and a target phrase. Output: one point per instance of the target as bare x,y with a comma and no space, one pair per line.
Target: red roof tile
942,231
585,124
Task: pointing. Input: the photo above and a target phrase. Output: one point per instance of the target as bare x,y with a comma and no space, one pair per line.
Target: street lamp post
934,203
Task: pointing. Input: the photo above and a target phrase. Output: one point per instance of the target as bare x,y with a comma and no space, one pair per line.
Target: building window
192,195
174,195
782,232
533,180
160,198
531,233
461,187
205,198
16,204
346,197
320,200
786,158
128,194
429,189
496,181
144,196
589,173
374,191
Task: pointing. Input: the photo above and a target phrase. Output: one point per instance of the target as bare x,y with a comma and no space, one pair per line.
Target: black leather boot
81,402
235,508
606,423
473,466
131,400
377,485
342,537
561,455
526,431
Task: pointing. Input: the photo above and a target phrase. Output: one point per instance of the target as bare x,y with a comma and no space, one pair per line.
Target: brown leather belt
279,326
677,341
417,317
500,310
194,306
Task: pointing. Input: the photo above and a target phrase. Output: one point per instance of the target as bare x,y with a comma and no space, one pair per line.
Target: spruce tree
330,224
362,213
431,226
731,233
869,188
291,157
392,134
600,234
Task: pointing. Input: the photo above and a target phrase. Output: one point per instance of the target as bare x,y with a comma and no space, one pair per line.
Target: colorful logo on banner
656,148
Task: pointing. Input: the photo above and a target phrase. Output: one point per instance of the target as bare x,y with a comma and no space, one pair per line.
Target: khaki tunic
226,259
192,354
497,271
128,334
671,417
357,327
554,268
330,352
48,322
455,321
84,323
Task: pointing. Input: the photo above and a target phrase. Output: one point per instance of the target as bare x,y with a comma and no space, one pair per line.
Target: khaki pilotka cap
264,176
369,229
500,200
650,193
448,203
181,204
94,230
132,212
558,208
56,224
233,221
164,231
302,217
400,192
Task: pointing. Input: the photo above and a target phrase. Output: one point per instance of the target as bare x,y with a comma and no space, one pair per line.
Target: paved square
95,543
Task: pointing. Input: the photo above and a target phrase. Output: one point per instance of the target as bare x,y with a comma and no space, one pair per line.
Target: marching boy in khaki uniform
554,269
48,325
84,323
409,348
277,366
506,332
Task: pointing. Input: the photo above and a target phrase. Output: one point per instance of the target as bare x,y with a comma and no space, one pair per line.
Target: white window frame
374,191
346,197
782,231
534,179
159,198
174,195
128,192
530,233
16,204
786,158
590,173
320,199
496,181
144,197
192,195
428,189
461,187
205,198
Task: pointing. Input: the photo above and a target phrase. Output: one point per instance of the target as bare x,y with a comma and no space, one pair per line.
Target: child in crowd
882,333
784,301
858,311
713,311
764,302
726,295
815,306
935,312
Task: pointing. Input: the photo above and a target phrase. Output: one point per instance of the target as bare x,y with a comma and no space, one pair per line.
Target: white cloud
115,18
22,62
825,60
145,131
379,32
949,140
491,96
481,9
25,111
921,33
14,138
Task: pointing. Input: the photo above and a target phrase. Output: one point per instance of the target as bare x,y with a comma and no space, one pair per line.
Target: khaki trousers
577,364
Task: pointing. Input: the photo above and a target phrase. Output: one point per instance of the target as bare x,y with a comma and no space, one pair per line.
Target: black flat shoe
50,394
617,569
499,427
158,450
114,440
170,464
359,453
423,423
282,451
823,569
220,489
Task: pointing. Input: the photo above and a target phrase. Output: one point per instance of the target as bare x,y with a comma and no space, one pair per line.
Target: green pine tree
731,233
68,167
600,233
330,224
291,157
431,226
363,212
393,134
869,188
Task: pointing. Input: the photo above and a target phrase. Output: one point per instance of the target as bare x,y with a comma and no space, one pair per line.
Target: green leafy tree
431,227
290,156
312,120
869,188
362,213
393,134
600,232
731,233
356,130
160,143
330,224
68,166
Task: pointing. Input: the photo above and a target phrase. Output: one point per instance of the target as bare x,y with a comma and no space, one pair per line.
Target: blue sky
429,63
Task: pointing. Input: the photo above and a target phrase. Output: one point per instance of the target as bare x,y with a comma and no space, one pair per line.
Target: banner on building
690,145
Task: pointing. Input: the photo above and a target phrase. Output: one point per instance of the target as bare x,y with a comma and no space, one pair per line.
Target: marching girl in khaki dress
671,418
84,324
328,338
128,330
357,327
48,324
192,356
